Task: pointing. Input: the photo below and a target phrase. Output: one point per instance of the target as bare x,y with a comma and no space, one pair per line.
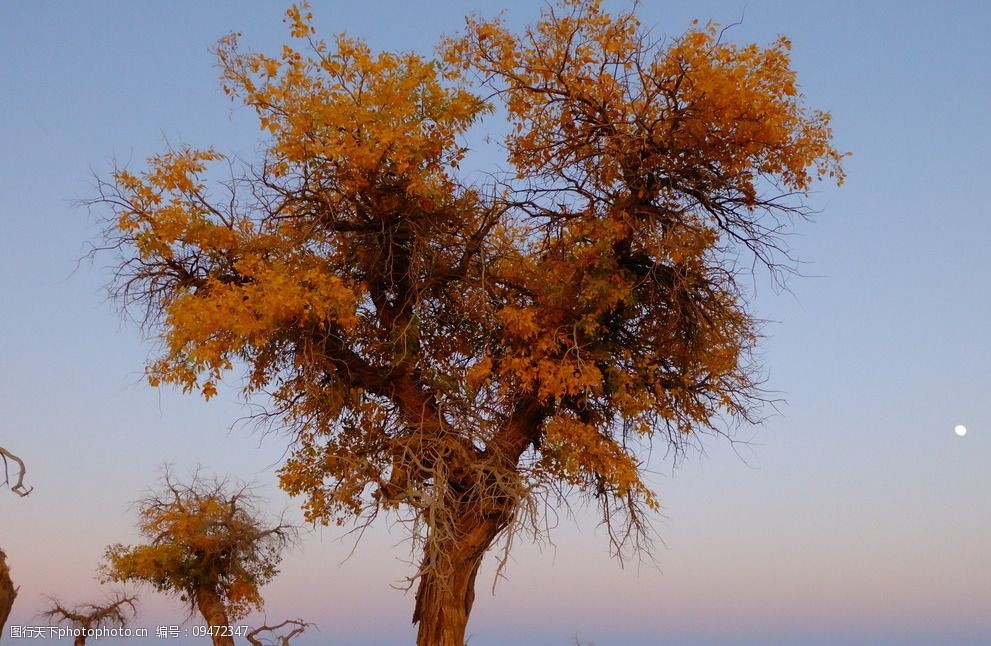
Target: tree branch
280,640
18,486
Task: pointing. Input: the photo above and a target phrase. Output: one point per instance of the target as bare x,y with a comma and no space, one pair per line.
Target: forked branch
18,486
118,610
298,627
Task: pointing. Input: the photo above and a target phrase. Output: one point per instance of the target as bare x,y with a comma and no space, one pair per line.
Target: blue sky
855,516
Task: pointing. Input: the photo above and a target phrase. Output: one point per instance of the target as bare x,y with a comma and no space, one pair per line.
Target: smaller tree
118,610
208,544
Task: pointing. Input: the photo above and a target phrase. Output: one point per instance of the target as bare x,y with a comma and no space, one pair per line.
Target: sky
853,515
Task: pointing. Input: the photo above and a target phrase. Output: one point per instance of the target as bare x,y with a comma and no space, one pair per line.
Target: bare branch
18,486
117,610
299,626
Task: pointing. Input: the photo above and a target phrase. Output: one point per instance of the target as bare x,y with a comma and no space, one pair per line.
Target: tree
453,351
116,611
207,544
7,590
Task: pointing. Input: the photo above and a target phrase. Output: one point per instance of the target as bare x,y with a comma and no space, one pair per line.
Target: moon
960,430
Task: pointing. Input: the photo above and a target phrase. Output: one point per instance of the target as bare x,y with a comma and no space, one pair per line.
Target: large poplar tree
456,349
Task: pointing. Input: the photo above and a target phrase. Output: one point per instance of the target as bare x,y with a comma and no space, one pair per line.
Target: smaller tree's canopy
207,535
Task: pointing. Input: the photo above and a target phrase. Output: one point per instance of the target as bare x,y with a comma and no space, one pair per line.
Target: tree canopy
459,349
208,544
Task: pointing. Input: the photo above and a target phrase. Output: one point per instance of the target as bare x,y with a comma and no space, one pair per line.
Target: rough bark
213,610
7,592
446,591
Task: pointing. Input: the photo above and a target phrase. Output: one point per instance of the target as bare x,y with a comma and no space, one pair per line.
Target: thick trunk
79,641
212,608
447,579
7,592
455,547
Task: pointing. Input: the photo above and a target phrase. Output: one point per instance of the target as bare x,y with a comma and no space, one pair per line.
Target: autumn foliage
207,544
458,350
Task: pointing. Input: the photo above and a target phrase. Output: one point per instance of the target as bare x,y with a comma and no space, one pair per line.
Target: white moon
960,430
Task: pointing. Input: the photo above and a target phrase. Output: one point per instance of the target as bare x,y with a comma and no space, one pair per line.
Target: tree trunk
446,590
212,608
80,640
7,592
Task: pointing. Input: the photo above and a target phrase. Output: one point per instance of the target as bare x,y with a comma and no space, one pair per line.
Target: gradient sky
855,516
